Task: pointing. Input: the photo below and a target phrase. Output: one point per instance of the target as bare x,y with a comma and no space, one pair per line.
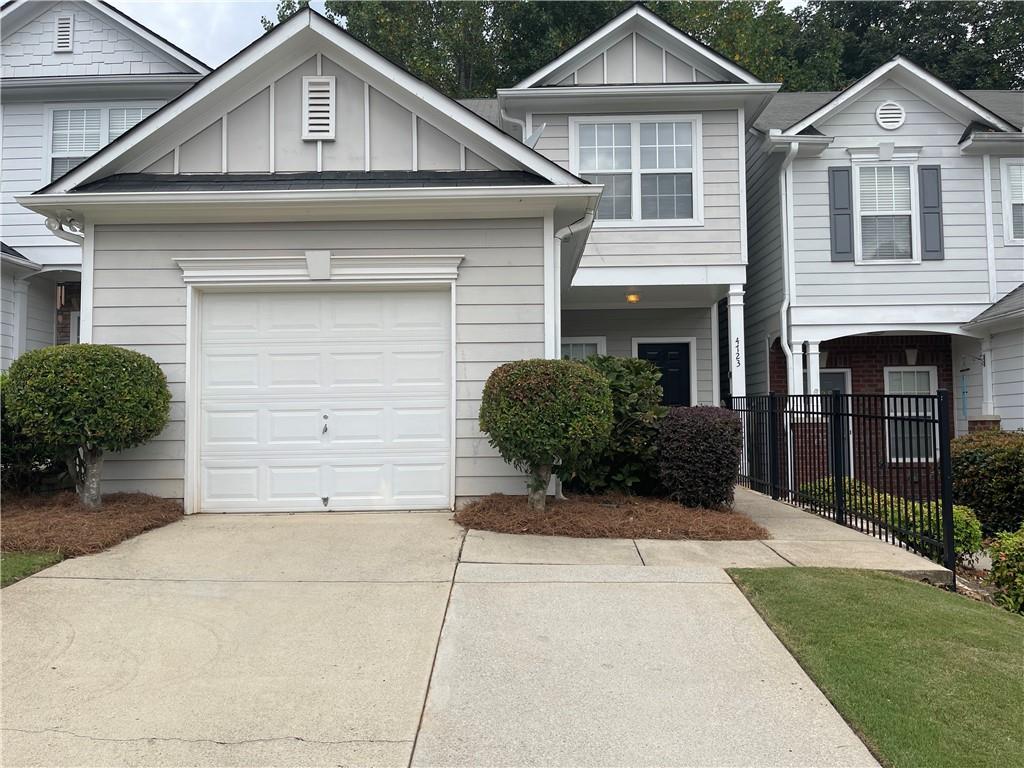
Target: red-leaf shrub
699,455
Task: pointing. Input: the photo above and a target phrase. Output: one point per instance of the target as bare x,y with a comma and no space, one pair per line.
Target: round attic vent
890,115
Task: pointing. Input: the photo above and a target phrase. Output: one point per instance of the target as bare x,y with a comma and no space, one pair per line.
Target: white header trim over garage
302,267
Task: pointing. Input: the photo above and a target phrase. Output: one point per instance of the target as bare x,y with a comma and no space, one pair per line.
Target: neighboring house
76,75
884,221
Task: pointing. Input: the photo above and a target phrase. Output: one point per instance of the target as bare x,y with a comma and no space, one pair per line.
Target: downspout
580,225
56,226
786,190
521,123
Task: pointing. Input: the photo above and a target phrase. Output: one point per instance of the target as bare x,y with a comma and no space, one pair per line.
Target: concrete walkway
281,640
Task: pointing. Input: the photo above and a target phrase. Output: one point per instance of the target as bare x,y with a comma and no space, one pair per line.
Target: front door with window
673,359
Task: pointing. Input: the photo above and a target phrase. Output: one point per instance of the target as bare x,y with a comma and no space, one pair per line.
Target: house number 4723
738,358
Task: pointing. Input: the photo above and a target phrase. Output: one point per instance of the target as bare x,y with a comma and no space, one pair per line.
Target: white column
737,343
796,374
20,328
988,400
813,368
716,383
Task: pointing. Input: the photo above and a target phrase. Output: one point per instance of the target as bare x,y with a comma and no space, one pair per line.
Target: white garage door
325,401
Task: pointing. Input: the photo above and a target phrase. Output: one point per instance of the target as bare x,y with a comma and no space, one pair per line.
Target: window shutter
64,34
840,212
318,108
930,178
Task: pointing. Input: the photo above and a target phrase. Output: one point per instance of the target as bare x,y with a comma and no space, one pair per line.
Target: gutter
684,89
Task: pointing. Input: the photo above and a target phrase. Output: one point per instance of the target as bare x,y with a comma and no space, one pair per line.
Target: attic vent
890,115
64,34
318,108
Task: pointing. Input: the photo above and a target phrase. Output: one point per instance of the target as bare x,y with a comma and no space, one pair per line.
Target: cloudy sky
214,30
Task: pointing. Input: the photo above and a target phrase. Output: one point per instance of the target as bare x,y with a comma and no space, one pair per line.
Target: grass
926,677
15,566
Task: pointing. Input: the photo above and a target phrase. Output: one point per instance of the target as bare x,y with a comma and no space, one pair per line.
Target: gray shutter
930,178
840,212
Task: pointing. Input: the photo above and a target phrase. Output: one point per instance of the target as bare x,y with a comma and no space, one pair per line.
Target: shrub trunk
539,487
85,465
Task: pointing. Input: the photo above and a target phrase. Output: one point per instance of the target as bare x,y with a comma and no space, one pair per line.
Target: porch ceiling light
632,298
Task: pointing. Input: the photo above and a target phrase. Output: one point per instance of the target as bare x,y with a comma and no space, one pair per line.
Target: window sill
886,262
650,224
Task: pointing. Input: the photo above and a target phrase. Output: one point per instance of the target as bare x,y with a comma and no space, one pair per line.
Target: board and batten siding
621,326
716,242
139,302
764,288
962,277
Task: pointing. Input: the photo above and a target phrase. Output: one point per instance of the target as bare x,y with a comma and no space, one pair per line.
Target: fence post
946,471
774,470
838,441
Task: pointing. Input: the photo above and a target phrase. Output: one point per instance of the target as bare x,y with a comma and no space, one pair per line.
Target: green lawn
927,678
18,565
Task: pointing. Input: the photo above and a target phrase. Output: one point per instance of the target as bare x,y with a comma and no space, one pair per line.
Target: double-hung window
910,411
649,166
76,133
885,194
1013,200
582,347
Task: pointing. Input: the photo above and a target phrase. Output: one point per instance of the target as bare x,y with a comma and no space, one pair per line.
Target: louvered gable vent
64,34
318,108
890,115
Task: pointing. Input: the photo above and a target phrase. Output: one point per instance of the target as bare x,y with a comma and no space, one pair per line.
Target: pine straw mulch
59,523
609,516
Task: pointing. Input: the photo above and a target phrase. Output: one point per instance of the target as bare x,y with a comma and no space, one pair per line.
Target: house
886,227
76,75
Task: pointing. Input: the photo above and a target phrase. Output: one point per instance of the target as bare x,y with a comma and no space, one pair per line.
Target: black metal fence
876,463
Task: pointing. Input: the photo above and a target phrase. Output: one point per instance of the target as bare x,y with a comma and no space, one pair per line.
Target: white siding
1008,377
716,242
6,319
633,58
763,296
966,375
140,302
1009,258
961,278
621,326
42,314
101,47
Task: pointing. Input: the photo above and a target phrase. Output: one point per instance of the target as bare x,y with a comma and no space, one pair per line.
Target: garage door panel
377,365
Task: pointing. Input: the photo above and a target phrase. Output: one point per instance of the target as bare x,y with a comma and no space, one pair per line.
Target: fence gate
876,463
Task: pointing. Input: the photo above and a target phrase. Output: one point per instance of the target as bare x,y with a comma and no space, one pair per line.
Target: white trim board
636,341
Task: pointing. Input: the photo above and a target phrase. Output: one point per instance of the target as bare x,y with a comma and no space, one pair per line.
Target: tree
79,401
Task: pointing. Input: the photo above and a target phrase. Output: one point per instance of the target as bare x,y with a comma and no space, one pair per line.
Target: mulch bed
59,523
608,516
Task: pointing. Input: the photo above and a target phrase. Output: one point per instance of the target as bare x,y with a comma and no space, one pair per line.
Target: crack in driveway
206,741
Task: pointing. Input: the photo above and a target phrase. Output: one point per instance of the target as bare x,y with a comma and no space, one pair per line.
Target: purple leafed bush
699,455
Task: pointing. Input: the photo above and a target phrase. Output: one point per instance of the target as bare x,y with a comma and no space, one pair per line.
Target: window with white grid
911,427
75,134
1013,201
886,213
649,167
124,118
582,347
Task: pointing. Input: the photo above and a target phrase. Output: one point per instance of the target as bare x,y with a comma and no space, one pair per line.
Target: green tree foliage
471,48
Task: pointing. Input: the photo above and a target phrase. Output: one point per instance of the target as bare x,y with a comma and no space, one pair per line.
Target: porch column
796,375
813,368
737,343
988,400
20,317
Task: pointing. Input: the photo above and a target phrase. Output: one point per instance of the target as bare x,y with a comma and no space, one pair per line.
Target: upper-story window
649,166
885,196
1013,200
75,134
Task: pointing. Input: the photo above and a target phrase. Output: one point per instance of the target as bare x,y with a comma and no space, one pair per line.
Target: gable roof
636,17
1007,308
902,69
15,13
304,28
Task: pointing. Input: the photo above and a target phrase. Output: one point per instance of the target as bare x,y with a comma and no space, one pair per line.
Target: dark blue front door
673,359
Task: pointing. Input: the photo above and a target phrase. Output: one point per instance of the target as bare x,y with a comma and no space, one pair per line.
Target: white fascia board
556,92
316,204
809,146
981,143
631,15
689,274
898,66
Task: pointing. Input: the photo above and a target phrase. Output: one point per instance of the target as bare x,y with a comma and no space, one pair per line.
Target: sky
214,30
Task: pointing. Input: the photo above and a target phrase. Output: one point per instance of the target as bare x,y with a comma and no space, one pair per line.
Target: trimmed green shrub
629,460
895,512
1007,572
79,401
988,476
24,465
699,455
544,415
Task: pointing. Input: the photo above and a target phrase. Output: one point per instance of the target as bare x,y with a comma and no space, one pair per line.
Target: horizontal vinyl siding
42,314
961,277
764,288
1008,377
621,326
6,320
139,301
1009,258
716,242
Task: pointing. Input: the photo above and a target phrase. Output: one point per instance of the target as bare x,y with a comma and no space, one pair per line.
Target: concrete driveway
289,640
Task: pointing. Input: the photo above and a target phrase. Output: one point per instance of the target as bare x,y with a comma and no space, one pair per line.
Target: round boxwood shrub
628,462
543,415
988,477
78,401
699,455
1007,572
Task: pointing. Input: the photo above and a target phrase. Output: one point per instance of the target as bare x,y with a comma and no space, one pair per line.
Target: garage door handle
325,429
